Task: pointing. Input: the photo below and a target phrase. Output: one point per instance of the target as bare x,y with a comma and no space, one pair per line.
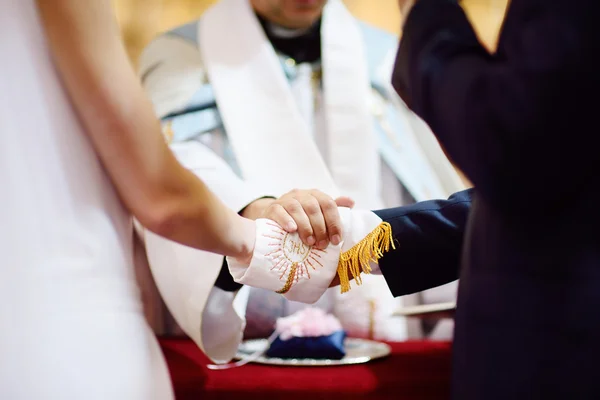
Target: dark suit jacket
521,123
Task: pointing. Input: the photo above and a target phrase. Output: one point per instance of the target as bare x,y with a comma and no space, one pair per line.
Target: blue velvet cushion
320,347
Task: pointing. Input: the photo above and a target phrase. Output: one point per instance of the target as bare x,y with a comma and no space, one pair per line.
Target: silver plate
440,310
358,351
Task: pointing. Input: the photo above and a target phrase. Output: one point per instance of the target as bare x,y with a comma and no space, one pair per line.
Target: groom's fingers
313,208
344,201
331,215
290,214
296,210
277,213
312,213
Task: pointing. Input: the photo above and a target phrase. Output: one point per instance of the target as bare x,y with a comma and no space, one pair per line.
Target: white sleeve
171,71
216,174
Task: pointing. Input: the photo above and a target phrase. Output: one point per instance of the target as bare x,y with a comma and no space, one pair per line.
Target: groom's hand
312,213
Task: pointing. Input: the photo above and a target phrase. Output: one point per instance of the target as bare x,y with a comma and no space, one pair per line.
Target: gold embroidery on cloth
357,259
290,280
291,257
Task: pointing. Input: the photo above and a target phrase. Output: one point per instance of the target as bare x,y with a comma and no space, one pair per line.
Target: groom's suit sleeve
428,237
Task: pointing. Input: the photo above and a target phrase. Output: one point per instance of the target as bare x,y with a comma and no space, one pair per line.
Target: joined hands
299,250
311,213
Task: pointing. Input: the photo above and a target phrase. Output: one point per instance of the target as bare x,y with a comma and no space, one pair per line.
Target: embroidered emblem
291,259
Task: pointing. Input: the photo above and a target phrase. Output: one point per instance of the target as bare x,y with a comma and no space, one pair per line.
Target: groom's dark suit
521,123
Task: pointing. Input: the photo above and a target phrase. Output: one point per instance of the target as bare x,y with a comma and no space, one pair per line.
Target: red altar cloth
414,371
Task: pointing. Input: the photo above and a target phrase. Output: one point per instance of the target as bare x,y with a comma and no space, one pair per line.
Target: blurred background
141,20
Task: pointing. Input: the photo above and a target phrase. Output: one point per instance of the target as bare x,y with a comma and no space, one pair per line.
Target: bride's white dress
71,320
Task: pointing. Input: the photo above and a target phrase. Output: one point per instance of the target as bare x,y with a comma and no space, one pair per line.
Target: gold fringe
358,258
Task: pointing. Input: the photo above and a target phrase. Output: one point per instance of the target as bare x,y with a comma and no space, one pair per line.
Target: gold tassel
358,258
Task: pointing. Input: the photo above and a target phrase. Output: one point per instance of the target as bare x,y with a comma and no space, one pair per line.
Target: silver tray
437,310
358,351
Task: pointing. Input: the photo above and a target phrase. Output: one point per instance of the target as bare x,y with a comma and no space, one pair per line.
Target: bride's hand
245,229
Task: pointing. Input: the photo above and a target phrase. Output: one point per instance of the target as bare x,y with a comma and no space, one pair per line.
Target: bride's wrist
245,231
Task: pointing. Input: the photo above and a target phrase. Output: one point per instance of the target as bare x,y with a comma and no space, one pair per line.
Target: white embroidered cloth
283,264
